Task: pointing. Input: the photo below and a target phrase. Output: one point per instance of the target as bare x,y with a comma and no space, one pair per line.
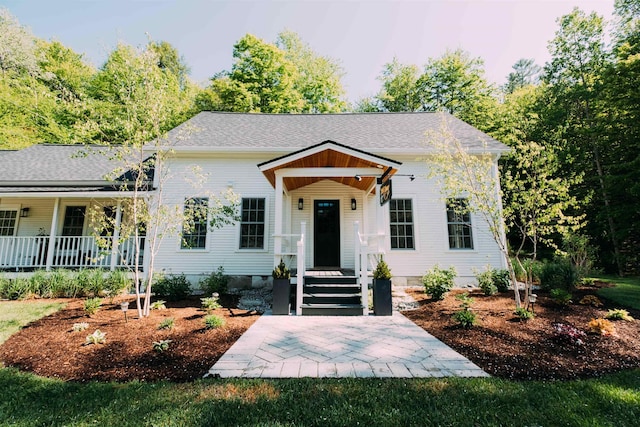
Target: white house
323,192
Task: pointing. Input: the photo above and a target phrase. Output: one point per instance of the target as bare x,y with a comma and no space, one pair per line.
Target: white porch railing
288,250
31,252
366,258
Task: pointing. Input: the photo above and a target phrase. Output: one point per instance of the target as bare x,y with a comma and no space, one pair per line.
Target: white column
380,226
116,236
52,234
277,240
301,267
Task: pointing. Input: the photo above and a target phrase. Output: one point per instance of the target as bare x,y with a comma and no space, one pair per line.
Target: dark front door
326,220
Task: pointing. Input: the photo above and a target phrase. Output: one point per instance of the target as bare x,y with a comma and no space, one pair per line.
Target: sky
361,35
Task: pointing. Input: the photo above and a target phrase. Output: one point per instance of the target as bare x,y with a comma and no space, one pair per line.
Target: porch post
52,235
380,219
277,240
116,236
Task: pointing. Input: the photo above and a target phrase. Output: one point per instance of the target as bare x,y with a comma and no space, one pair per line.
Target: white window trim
207,244
62,214
474,231
17,208
267,222
387,216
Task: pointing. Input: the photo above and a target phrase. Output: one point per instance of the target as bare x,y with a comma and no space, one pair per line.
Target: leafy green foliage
618,314
382,270
437,281
79,327
485,282
560,297
216,282
97,337
167,323
591,300
210,303
501,280
92,305
558,274
158,305
523,314
465,317
213,321
281,271
173,288
161,346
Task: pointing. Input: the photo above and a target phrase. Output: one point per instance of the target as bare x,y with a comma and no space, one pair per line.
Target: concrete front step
326,298
332,309
334,280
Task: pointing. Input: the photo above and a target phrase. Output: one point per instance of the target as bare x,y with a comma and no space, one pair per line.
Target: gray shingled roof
57,165
390,132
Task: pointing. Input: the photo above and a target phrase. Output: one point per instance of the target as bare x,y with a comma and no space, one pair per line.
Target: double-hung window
8,220
459,224
401,223
252,221
194,227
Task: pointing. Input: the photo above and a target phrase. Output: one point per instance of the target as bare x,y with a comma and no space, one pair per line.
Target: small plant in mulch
79,327
618,314
213,322
568,334
210,303
98,337
602,326
591,300
161,346
92,305
465,317
523,314
560,297
167,323
485,282
158,305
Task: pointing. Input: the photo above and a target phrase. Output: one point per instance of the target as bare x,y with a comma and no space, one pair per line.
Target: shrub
569,334
466,318
116,282
558,274
98,337
216,282
587,281
501,280
560,297
437,281
485,282
158,305
79,327
91,281
591,300
210,303
619,314
213,322
167,323
602,326
63,284
523,314
161,346
535,267
382,270
173,288
281,271
92,305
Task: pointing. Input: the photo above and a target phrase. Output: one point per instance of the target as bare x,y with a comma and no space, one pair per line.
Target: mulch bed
49,347
505,347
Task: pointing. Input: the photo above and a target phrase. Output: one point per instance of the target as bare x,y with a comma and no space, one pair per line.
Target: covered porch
49,231
329,214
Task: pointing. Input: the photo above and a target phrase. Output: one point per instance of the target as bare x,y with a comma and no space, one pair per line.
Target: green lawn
29,400
15,314
626,292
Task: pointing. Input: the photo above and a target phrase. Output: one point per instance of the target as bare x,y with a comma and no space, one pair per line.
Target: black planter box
382,297
281,291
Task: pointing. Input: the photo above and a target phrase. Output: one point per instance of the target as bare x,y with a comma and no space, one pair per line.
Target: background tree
525,72
400,89
318,78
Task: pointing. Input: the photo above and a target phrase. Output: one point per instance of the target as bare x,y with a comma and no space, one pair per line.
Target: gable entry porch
328,222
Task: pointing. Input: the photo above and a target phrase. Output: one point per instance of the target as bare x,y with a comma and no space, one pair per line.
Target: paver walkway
337,346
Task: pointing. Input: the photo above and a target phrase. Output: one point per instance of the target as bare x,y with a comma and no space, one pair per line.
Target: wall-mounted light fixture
353,204
300,204
24,212
358,178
